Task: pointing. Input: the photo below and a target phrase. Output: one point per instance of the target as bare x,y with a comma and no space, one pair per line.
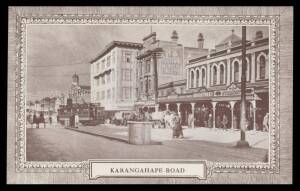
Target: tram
89,114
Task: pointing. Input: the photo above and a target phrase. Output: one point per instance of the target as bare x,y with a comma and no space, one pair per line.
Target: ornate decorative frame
212,167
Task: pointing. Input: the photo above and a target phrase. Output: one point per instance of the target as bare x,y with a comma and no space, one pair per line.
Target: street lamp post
242,143
155,81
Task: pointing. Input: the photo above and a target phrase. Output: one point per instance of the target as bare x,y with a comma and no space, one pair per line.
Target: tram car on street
89,114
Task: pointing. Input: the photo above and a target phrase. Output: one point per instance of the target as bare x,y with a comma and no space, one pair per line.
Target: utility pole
155,78
242,143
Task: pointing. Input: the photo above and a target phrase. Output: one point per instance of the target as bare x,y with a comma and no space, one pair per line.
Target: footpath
256,139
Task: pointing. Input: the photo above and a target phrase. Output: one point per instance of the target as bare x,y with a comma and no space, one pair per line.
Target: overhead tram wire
54,65
49,75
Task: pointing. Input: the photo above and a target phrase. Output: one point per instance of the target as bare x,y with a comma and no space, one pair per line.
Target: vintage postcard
150,95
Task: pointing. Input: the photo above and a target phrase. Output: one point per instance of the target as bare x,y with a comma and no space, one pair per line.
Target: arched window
197,78
222,74
192,79
203,77
215,71
149,84
262,67
236,71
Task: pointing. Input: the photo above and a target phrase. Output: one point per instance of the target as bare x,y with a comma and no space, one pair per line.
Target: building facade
79,93
48,106
160,62
212,88
113,76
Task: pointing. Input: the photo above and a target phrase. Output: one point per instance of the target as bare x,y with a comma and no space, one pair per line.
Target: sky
56,52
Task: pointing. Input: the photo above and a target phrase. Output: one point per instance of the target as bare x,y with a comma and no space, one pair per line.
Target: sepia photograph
147,92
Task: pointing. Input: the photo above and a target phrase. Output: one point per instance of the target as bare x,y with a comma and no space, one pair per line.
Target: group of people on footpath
35,120
173,120
74,120
223,122
166,119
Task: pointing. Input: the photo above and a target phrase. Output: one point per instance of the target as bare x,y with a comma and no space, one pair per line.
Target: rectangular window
103,79
149,84
108,94
113,93
148,66
182,90
141,86
126,74
113,75
141,68
103,65
98,67
98,96
103,95
126,93
128,58
113,58
108,78
108,61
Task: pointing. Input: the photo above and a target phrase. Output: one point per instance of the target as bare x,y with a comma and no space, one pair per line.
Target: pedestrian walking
167,119
34,120
76,120
266,122
50,120
224,121
72,120
206,113
191,121
176,125
147,116
29,119
235,122
42,119
141,116
123,119
210,121
219,122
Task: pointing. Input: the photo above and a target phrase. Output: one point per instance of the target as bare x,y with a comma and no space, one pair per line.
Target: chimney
200,41
258,35
174,36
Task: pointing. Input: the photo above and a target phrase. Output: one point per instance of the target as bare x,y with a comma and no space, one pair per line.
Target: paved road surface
59,144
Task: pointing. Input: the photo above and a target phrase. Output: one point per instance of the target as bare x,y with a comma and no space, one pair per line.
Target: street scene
51,144
147,92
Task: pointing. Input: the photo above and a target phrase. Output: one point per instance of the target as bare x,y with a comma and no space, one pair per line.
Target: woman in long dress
266,122
225,121
176,125
210,121
167,119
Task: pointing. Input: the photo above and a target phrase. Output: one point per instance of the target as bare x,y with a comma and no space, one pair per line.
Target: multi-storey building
161,62
213,82
48,106
113,74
